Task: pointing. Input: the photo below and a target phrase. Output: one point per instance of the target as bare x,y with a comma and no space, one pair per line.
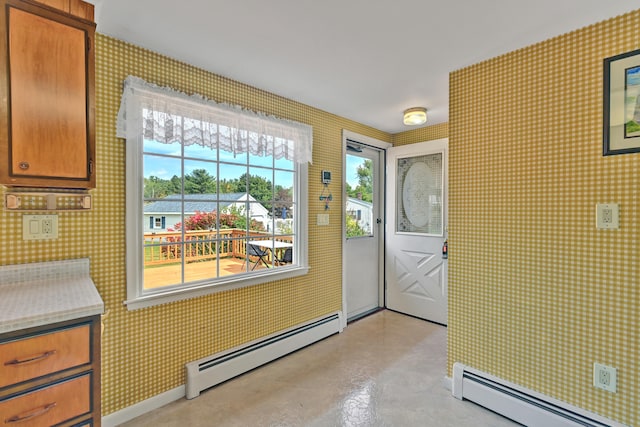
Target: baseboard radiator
522,405
220,367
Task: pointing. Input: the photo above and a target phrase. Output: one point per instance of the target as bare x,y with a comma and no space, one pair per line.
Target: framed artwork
621,133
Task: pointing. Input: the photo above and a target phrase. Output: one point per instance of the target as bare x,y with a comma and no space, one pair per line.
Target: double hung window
215,195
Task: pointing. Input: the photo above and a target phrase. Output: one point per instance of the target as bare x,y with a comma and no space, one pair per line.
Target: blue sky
633,76
351,173
166,167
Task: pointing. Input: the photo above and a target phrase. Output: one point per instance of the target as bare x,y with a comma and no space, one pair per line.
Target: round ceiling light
415,116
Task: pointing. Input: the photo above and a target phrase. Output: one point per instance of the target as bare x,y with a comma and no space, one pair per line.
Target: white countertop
47,292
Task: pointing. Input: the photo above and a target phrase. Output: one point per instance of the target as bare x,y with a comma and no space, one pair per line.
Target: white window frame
157,219
138,297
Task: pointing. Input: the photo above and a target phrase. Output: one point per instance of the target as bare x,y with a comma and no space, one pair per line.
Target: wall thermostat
326,177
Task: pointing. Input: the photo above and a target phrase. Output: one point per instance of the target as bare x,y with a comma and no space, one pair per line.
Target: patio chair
255,251
287,257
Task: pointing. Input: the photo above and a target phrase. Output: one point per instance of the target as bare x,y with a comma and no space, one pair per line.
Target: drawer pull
25,416
30,359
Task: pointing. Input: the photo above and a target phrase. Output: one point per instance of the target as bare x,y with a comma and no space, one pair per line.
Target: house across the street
166,213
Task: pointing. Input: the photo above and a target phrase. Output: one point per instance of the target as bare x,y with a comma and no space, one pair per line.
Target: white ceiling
366,60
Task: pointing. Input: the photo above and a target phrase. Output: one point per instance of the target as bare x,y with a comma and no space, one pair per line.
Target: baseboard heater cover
518,403
220,367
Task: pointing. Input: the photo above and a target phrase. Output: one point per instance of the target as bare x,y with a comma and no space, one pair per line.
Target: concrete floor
384,370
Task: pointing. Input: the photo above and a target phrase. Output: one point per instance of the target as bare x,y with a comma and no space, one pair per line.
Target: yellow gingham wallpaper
536,293
144,351
427,133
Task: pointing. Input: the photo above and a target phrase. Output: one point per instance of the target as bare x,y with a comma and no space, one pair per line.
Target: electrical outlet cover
607,216
605,377
39,227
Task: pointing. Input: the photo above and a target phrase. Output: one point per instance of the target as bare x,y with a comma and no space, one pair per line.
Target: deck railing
200,245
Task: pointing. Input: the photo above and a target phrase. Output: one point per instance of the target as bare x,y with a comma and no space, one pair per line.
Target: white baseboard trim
518,403
130,412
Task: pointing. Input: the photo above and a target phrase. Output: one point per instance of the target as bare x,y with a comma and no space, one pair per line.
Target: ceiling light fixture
415,116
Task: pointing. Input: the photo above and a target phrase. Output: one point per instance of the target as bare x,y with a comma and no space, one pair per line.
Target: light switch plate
323,219
39,227
607,216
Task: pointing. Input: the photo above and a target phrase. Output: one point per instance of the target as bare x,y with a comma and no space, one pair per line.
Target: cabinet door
48,97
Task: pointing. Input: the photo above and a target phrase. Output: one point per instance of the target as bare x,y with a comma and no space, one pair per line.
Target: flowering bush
229,218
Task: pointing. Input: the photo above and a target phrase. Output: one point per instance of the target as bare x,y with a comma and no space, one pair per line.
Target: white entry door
363,250
416,230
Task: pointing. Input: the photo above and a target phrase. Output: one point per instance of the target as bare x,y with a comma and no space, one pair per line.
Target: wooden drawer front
40,355
48,406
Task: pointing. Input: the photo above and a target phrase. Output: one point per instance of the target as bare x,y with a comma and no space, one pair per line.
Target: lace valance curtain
168,116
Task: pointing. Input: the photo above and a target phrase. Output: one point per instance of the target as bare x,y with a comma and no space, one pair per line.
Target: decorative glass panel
419,194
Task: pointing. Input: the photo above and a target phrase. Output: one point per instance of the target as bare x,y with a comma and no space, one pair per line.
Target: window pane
162,177
359,205
283,205
230,150
262,154
155,147
200,255
283,163
162,265
200,178
281,149
260,217
233,179
198,151
261,186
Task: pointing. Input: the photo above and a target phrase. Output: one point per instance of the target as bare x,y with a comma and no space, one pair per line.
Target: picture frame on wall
622,104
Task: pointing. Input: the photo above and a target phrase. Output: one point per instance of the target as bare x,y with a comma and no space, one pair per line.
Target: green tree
283,203
260,189
199,182
228,186
175,185
156,188
236,217
364,189
353,229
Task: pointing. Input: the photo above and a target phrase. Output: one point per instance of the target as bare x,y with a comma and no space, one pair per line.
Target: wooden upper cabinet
77,8
47,101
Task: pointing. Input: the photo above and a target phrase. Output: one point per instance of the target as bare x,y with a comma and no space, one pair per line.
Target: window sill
201,289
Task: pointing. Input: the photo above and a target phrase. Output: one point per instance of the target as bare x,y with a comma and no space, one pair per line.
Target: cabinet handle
23,165
30,359
25,416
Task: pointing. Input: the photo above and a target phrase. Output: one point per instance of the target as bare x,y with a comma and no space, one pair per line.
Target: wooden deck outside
163,252
164,275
